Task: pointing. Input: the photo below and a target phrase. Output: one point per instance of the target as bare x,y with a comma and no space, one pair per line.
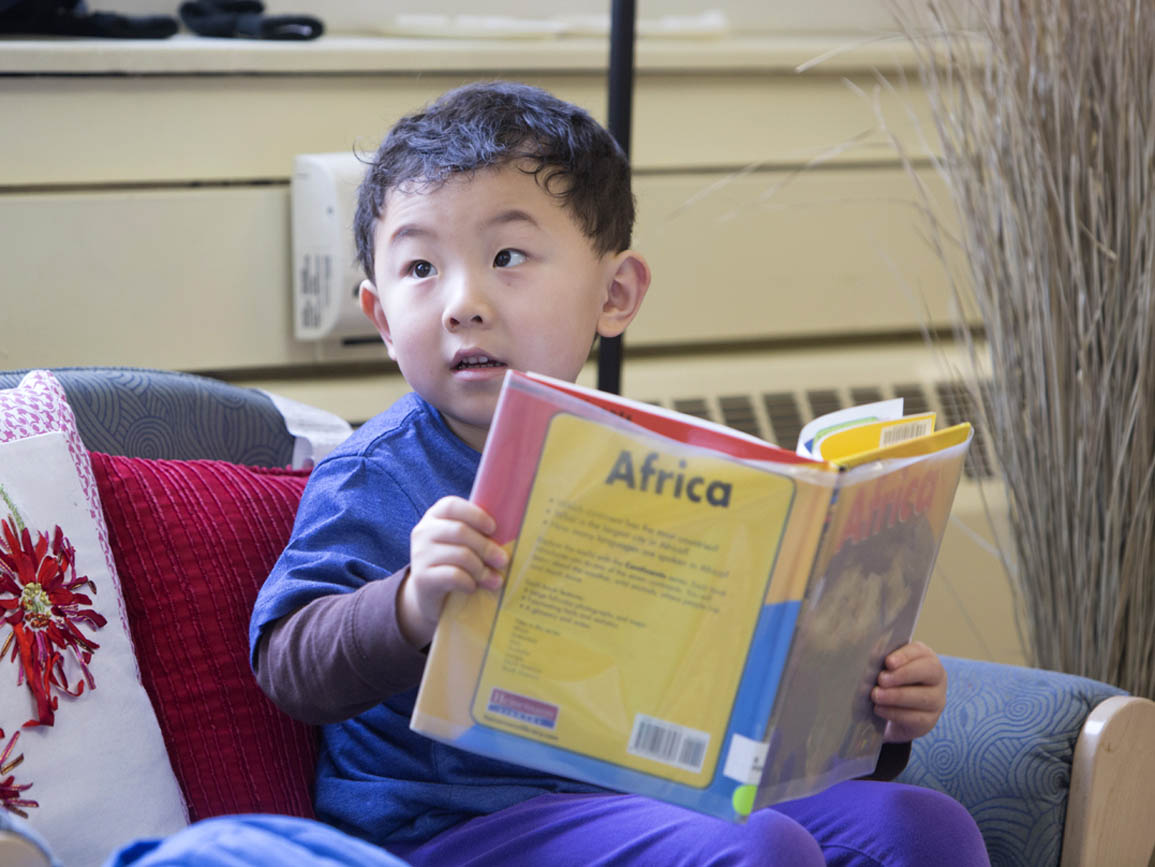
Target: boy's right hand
451,548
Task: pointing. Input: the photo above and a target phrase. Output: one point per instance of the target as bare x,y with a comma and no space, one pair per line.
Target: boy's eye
421,269
508,258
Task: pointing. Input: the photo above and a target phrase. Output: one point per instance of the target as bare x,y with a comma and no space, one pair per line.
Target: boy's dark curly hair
490,124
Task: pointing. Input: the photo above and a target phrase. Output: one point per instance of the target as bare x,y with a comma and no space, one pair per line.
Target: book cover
659,566
862,601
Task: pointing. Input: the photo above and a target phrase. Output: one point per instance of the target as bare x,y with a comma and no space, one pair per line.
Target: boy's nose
467,305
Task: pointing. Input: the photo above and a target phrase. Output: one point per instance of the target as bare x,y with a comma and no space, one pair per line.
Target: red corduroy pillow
193,541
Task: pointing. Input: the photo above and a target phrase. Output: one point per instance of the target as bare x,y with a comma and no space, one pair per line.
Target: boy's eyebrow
409,230
416,230
513,215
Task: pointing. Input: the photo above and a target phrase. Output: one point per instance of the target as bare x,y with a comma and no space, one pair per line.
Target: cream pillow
81,754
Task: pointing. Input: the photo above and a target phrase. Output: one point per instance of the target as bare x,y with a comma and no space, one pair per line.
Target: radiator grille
738,412
913,398
822,401
865,394
785,419
958,406
695,406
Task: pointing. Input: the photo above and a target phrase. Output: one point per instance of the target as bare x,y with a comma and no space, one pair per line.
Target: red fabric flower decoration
10,797
41,603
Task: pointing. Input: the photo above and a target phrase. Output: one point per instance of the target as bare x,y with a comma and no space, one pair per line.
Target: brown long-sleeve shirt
339,655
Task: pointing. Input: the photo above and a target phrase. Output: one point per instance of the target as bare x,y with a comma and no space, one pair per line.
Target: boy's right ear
371,307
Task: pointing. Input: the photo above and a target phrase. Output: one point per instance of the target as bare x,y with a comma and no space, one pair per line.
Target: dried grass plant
1045,115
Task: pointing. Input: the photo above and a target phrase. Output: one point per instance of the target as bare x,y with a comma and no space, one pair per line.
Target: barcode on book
668,743
899,433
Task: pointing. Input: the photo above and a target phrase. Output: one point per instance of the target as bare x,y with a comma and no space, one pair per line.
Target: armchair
1056,769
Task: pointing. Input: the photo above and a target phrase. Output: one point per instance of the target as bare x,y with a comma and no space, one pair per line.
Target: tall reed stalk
1045,112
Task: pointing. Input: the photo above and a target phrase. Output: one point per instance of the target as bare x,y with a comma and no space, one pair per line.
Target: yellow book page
864,438
911,448
631,599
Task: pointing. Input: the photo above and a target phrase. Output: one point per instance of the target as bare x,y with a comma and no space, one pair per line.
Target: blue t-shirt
376,778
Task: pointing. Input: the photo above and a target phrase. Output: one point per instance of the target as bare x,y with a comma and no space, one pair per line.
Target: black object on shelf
246,19
72,18
621,94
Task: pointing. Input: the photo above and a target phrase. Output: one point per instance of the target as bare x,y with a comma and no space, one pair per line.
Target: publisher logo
523,708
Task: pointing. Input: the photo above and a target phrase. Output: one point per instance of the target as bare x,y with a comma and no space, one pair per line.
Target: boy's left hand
911,692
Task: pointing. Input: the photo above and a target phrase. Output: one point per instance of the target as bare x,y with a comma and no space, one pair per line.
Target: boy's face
488,272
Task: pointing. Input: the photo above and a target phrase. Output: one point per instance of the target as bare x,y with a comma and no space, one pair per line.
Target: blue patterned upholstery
1003,749
163,414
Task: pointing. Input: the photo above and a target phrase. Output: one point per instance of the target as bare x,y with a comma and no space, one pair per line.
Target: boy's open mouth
474,362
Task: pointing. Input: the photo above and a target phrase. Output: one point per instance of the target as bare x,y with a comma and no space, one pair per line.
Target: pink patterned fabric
38,405
194,541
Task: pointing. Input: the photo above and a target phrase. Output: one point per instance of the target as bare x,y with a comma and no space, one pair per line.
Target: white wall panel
191,279
775,254
171,129
199,278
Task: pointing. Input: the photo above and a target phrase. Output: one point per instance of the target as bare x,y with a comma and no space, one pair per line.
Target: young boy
494,228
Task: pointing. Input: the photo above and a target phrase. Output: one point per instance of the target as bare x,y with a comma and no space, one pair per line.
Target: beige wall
144,187
144,220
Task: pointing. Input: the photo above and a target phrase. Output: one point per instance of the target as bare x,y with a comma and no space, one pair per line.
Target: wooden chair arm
1109,809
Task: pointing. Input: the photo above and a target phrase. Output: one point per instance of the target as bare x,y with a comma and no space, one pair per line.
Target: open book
689,613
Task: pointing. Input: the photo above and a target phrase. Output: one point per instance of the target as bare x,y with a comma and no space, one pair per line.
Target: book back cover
647,610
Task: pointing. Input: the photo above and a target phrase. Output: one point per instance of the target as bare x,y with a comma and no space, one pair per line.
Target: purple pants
857,822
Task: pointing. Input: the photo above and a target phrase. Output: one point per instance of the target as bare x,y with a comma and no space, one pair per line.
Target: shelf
193,55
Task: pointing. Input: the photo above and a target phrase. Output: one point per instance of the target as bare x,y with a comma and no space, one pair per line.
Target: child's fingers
923,669
465,566
906,654
459,509
478,570
909,712
433,532
454,521
918,698
443,578
453,534
428,591
442,555
439,580
433,580
911,692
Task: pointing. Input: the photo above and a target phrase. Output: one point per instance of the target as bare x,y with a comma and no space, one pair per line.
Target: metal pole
621,94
